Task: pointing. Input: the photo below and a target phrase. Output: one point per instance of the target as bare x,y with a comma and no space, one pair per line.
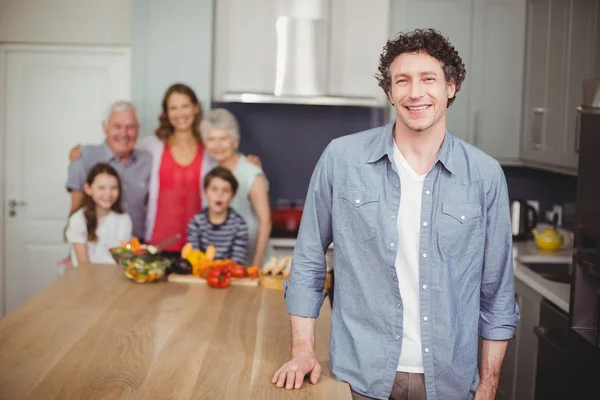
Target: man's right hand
292,373
75,153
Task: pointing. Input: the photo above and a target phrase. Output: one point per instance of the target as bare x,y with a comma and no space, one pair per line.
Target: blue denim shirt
465,272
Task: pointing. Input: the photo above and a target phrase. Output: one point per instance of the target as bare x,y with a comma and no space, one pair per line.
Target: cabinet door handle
577,129
538,128
543,334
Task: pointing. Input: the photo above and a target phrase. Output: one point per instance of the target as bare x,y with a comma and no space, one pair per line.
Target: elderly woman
221,136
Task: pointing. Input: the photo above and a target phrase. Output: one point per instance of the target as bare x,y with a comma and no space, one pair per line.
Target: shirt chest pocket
461,229
359,209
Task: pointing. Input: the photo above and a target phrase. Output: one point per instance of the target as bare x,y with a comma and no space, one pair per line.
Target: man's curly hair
429,41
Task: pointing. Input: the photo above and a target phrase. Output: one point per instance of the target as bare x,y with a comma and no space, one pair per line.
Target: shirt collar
110,155
384,145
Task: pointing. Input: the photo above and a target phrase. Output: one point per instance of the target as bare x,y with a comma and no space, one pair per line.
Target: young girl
99,223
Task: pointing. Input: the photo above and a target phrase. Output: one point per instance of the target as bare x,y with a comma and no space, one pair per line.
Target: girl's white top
110,231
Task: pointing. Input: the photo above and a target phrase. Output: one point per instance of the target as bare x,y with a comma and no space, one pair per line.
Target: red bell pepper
219,278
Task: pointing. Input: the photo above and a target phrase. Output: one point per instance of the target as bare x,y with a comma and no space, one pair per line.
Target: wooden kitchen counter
93,334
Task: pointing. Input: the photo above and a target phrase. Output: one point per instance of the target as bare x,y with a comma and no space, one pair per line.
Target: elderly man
133,165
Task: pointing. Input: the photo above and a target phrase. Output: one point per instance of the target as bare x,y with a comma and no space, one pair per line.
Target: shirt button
397,186
426,349
427,192
424,287
462,217
424,223
425,318
391,244
394,276
397,337
424,255
398,305
357,201
393,216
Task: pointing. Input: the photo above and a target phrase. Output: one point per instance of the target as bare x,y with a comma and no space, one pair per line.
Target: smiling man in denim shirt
423,248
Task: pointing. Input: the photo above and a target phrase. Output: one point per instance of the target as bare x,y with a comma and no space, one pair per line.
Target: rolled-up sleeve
499,313
304,295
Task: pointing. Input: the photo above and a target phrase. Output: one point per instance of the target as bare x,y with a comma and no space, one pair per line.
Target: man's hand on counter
292,373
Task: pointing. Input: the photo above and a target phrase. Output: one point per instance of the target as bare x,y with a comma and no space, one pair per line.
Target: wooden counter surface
93,334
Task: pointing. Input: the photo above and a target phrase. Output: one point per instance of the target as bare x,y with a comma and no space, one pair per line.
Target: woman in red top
179,165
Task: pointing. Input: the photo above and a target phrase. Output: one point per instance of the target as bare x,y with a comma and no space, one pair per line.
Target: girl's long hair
87,203
165,129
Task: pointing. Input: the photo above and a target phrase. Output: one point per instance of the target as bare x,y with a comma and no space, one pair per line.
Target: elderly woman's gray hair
118,105
220,118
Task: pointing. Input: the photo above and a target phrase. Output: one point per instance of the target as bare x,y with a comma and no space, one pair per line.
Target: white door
53,97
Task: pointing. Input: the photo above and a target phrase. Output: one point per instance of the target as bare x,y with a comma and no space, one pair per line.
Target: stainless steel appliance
523,218
584,318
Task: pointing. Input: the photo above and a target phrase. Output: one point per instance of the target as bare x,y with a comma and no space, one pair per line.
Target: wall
547,187
171,42
66,21
289,139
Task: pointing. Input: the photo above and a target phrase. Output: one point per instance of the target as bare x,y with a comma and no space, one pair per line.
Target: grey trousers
407,386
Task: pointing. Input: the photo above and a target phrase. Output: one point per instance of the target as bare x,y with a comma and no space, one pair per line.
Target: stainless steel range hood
263,98
301,29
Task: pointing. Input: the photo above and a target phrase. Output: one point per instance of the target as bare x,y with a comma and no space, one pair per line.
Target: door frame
5,48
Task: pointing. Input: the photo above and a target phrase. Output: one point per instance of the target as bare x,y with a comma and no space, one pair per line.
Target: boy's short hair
223,173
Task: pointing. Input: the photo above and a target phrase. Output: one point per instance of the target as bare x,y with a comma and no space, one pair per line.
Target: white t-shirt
407,263
110,231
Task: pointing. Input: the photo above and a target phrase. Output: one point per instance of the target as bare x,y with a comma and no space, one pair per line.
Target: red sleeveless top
179,198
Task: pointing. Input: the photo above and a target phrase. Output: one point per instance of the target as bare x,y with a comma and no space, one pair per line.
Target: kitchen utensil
523,218
158,248
551,239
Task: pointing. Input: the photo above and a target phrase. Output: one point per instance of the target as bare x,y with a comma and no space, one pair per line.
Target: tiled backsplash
290,138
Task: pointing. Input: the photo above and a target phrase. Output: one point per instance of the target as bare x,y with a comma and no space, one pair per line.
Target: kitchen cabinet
486,33
244,46
246,50
359,30
497,77
581,65
517,380
561,43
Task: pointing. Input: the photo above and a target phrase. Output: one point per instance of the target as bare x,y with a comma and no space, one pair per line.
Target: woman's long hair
87,203
165,129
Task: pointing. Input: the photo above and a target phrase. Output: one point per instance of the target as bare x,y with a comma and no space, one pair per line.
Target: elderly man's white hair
118,105
220,118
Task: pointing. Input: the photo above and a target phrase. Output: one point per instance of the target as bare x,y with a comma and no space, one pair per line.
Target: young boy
219,225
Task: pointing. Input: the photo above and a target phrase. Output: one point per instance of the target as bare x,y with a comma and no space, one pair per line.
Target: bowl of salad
140,263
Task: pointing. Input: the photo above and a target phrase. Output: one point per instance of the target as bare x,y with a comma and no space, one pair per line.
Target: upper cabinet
359,31
489,36
561,53
299,51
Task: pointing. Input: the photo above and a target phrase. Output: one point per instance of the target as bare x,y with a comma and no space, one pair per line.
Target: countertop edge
545,288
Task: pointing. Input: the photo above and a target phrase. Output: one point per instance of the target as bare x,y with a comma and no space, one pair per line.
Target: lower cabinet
517,378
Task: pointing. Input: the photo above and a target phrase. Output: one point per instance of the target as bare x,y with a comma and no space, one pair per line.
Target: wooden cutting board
194,279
